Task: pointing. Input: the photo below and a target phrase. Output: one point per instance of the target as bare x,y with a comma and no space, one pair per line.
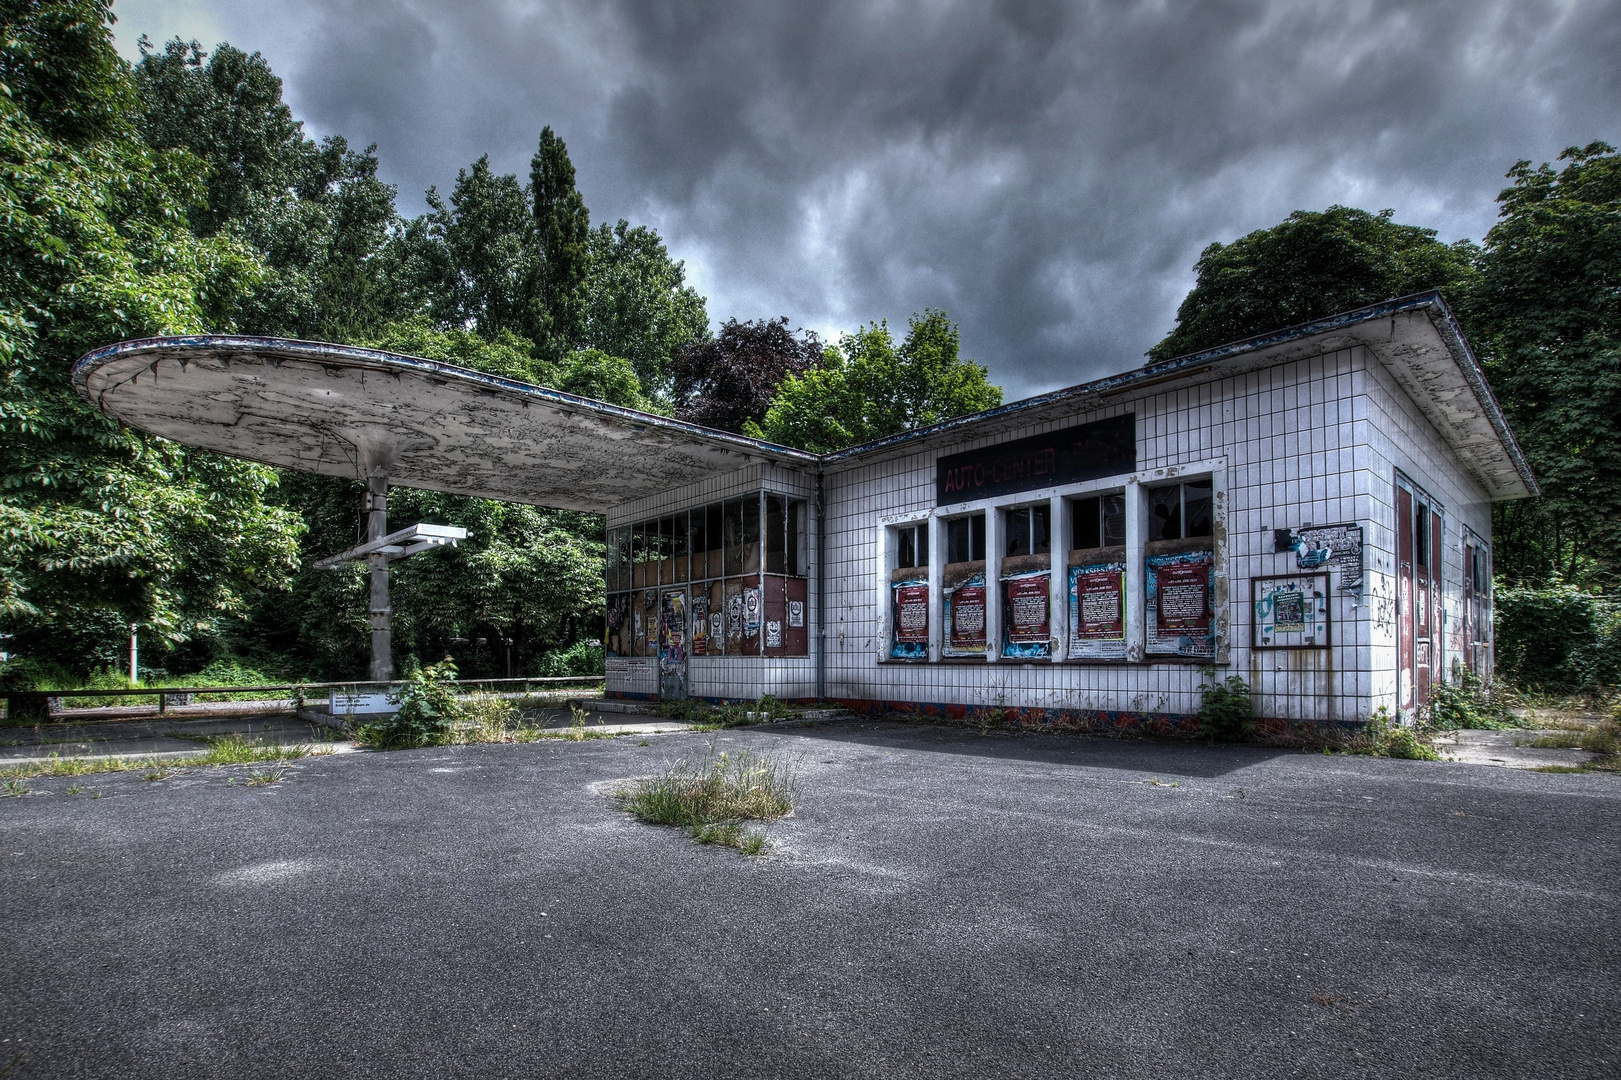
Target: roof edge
355,355
1430,301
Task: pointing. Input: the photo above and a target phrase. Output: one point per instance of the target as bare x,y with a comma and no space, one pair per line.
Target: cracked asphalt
942,903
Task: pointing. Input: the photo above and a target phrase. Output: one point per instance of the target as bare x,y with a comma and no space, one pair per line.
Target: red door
1404,602
1423,608
1467,644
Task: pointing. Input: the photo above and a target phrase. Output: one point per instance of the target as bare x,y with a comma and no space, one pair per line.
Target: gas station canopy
344,411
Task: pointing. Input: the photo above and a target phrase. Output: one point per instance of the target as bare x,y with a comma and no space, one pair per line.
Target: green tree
1309,266
562,227
317,215
526,573
867,389
471,258
1546,317
638,305
105,526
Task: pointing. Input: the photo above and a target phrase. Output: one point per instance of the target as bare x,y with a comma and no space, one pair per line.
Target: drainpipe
821,591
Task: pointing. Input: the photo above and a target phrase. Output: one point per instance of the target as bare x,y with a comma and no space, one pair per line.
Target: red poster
912,614
1027,610
1184,597
1098,595
968,618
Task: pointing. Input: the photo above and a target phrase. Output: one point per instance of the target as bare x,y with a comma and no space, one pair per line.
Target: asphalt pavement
941,903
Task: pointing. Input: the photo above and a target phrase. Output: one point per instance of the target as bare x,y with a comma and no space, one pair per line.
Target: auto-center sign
1068,456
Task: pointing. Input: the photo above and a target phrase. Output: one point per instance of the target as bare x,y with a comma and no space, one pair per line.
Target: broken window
1029,531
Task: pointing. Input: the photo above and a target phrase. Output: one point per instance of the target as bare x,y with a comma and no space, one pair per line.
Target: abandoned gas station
1309,509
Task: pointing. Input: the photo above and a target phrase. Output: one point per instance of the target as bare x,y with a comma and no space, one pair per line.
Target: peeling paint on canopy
339,410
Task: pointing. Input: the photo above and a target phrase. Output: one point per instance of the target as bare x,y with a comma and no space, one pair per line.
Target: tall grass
714,795
222,750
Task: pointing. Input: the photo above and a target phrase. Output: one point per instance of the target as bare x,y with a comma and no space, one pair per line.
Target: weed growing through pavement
159,773
714,796
14,788
261,777
73,789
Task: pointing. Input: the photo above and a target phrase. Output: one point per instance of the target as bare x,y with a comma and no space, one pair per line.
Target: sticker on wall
965,618
1097,611
700,626
751,612
796,614
909,639
1026,626
773,634
1178,601
1291,611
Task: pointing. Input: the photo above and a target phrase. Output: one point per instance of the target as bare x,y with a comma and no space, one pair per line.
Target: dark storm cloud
1046,172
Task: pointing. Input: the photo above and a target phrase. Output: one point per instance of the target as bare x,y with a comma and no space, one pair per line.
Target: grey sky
1046,172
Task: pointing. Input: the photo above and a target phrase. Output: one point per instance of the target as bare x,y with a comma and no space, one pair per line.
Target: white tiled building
1309,510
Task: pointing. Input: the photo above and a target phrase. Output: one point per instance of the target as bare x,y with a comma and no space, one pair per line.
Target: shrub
1466,706
1558,639
582,658
428,709
1227,712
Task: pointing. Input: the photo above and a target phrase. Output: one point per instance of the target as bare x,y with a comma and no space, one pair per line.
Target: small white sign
361,704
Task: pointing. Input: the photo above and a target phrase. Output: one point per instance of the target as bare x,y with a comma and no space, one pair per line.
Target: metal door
1404,603
1418,600
673,644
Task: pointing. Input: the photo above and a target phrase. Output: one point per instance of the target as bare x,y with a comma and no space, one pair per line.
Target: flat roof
339,410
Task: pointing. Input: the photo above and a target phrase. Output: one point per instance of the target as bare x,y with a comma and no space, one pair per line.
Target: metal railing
41,704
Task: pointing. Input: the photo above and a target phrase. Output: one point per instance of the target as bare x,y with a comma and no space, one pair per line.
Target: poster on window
1178,599
1026,623
673,631
1097,611
1291,612
751,612
700,626
965,618
909,638
619,626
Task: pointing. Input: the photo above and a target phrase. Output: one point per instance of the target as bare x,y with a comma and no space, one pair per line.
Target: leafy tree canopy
105,526
728,381
317,216
1546,317
1310,266
638,304
867,389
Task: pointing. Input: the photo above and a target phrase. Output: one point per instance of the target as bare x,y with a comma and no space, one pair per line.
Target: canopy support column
382,658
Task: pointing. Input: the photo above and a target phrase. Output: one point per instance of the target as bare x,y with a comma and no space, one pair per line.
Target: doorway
1418,599
673,644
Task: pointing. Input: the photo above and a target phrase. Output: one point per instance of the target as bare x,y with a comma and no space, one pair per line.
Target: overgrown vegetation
222,750
1558,639
715,796
1227,711
428,711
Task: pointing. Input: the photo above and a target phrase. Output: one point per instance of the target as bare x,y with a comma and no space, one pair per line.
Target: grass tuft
714,796
261,777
